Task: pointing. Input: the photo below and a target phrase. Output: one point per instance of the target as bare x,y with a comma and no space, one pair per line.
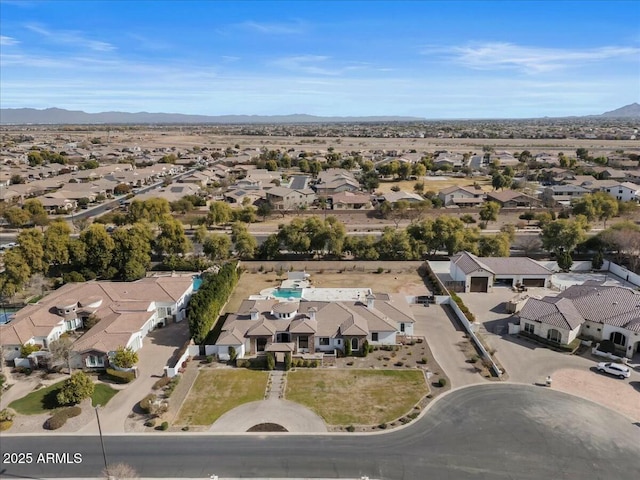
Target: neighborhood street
487,431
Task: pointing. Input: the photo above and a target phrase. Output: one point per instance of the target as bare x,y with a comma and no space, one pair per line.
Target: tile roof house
481,274
283,198
311,326
593,310
513,199
461,196
350,201
127,312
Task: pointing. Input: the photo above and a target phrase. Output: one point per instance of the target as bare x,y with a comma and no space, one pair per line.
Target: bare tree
120,471
61,351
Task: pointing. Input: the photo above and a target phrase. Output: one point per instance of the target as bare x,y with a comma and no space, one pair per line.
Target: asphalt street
491,431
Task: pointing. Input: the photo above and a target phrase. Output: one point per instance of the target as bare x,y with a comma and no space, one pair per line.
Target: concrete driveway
527,362
443,333
158,347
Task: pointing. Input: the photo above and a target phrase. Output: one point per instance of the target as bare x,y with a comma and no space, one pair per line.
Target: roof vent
614,303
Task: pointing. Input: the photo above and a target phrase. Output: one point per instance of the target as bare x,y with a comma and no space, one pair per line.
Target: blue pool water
5,317
197,282
287,293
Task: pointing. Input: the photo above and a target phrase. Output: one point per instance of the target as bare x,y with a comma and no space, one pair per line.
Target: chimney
254,313
370,298
312,313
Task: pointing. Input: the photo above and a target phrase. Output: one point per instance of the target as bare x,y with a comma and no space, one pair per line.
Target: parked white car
617,369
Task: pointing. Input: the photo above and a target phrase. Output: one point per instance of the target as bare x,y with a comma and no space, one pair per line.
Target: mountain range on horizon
59,116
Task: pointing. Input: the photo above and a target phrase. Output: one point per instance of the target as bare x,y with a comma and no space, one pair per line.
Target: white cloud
68,37
317,65
274,28
492,56
8,41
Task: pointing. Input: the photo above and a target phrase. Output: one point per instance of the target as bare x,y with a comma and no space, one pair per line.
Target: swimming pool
197,282
287,293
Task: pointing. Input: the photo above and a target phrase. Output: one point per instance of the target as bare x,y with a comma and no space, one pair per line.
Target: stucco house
350,201
592,310
284,198
481,274
513,199
312,326
455,195
128,311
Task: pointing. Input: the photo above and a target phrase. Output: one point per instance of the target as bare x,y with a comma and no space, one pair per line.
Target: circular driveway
489,431
292,416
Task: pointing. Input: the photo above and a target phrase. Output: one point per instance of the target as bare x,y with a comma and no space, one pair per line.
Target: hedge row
554,345
206,303
119,376
463,307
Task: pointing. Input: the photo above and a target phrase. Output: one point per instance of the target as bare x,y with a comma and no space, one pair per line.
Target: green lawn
44,399
102,394
358,397
215,392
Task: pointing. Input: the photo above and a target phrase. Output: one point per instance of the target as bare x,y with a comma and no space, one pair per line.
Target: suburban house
335,180
350,201
283,198
474,274
127,312
563,194
394,197
316,326
625,191
461,196
591,310
513,199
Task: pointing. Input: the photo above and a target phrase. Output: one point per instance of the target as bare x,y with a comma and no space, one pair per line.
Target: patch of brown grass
358,397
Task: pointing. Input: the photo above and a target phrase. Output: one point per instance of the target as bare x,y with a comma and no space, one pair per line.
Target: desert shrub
120,376
351,428
6,415
382,426
209,358
171,386
164,426
146,404
380,270
120,471
55,422
150,423
399,363
423,361
442,382
28,348
161,383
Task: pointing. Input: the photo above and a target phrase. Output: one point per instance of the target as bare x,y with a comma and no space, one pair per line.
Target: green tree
56,243
500,181
16,273
152,210
124,357
200,234
17,217
270,248
171,240
75,389
489,211
99,247
264,210
132,251
217,246
34,207
563,235
494,245
597,261
564,261
30,243
219,213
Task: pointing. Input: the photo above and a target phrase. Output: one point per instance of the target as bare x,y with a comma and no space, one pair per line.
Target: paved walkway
442,334
276,385
292,416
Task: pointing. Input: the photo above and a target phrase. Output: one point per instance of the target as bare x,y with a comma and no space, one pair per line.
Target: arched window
354,344
618,338
554,335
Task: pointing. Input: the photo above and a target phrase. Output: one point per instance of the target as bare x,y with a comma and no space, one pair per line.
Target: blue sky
430,59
